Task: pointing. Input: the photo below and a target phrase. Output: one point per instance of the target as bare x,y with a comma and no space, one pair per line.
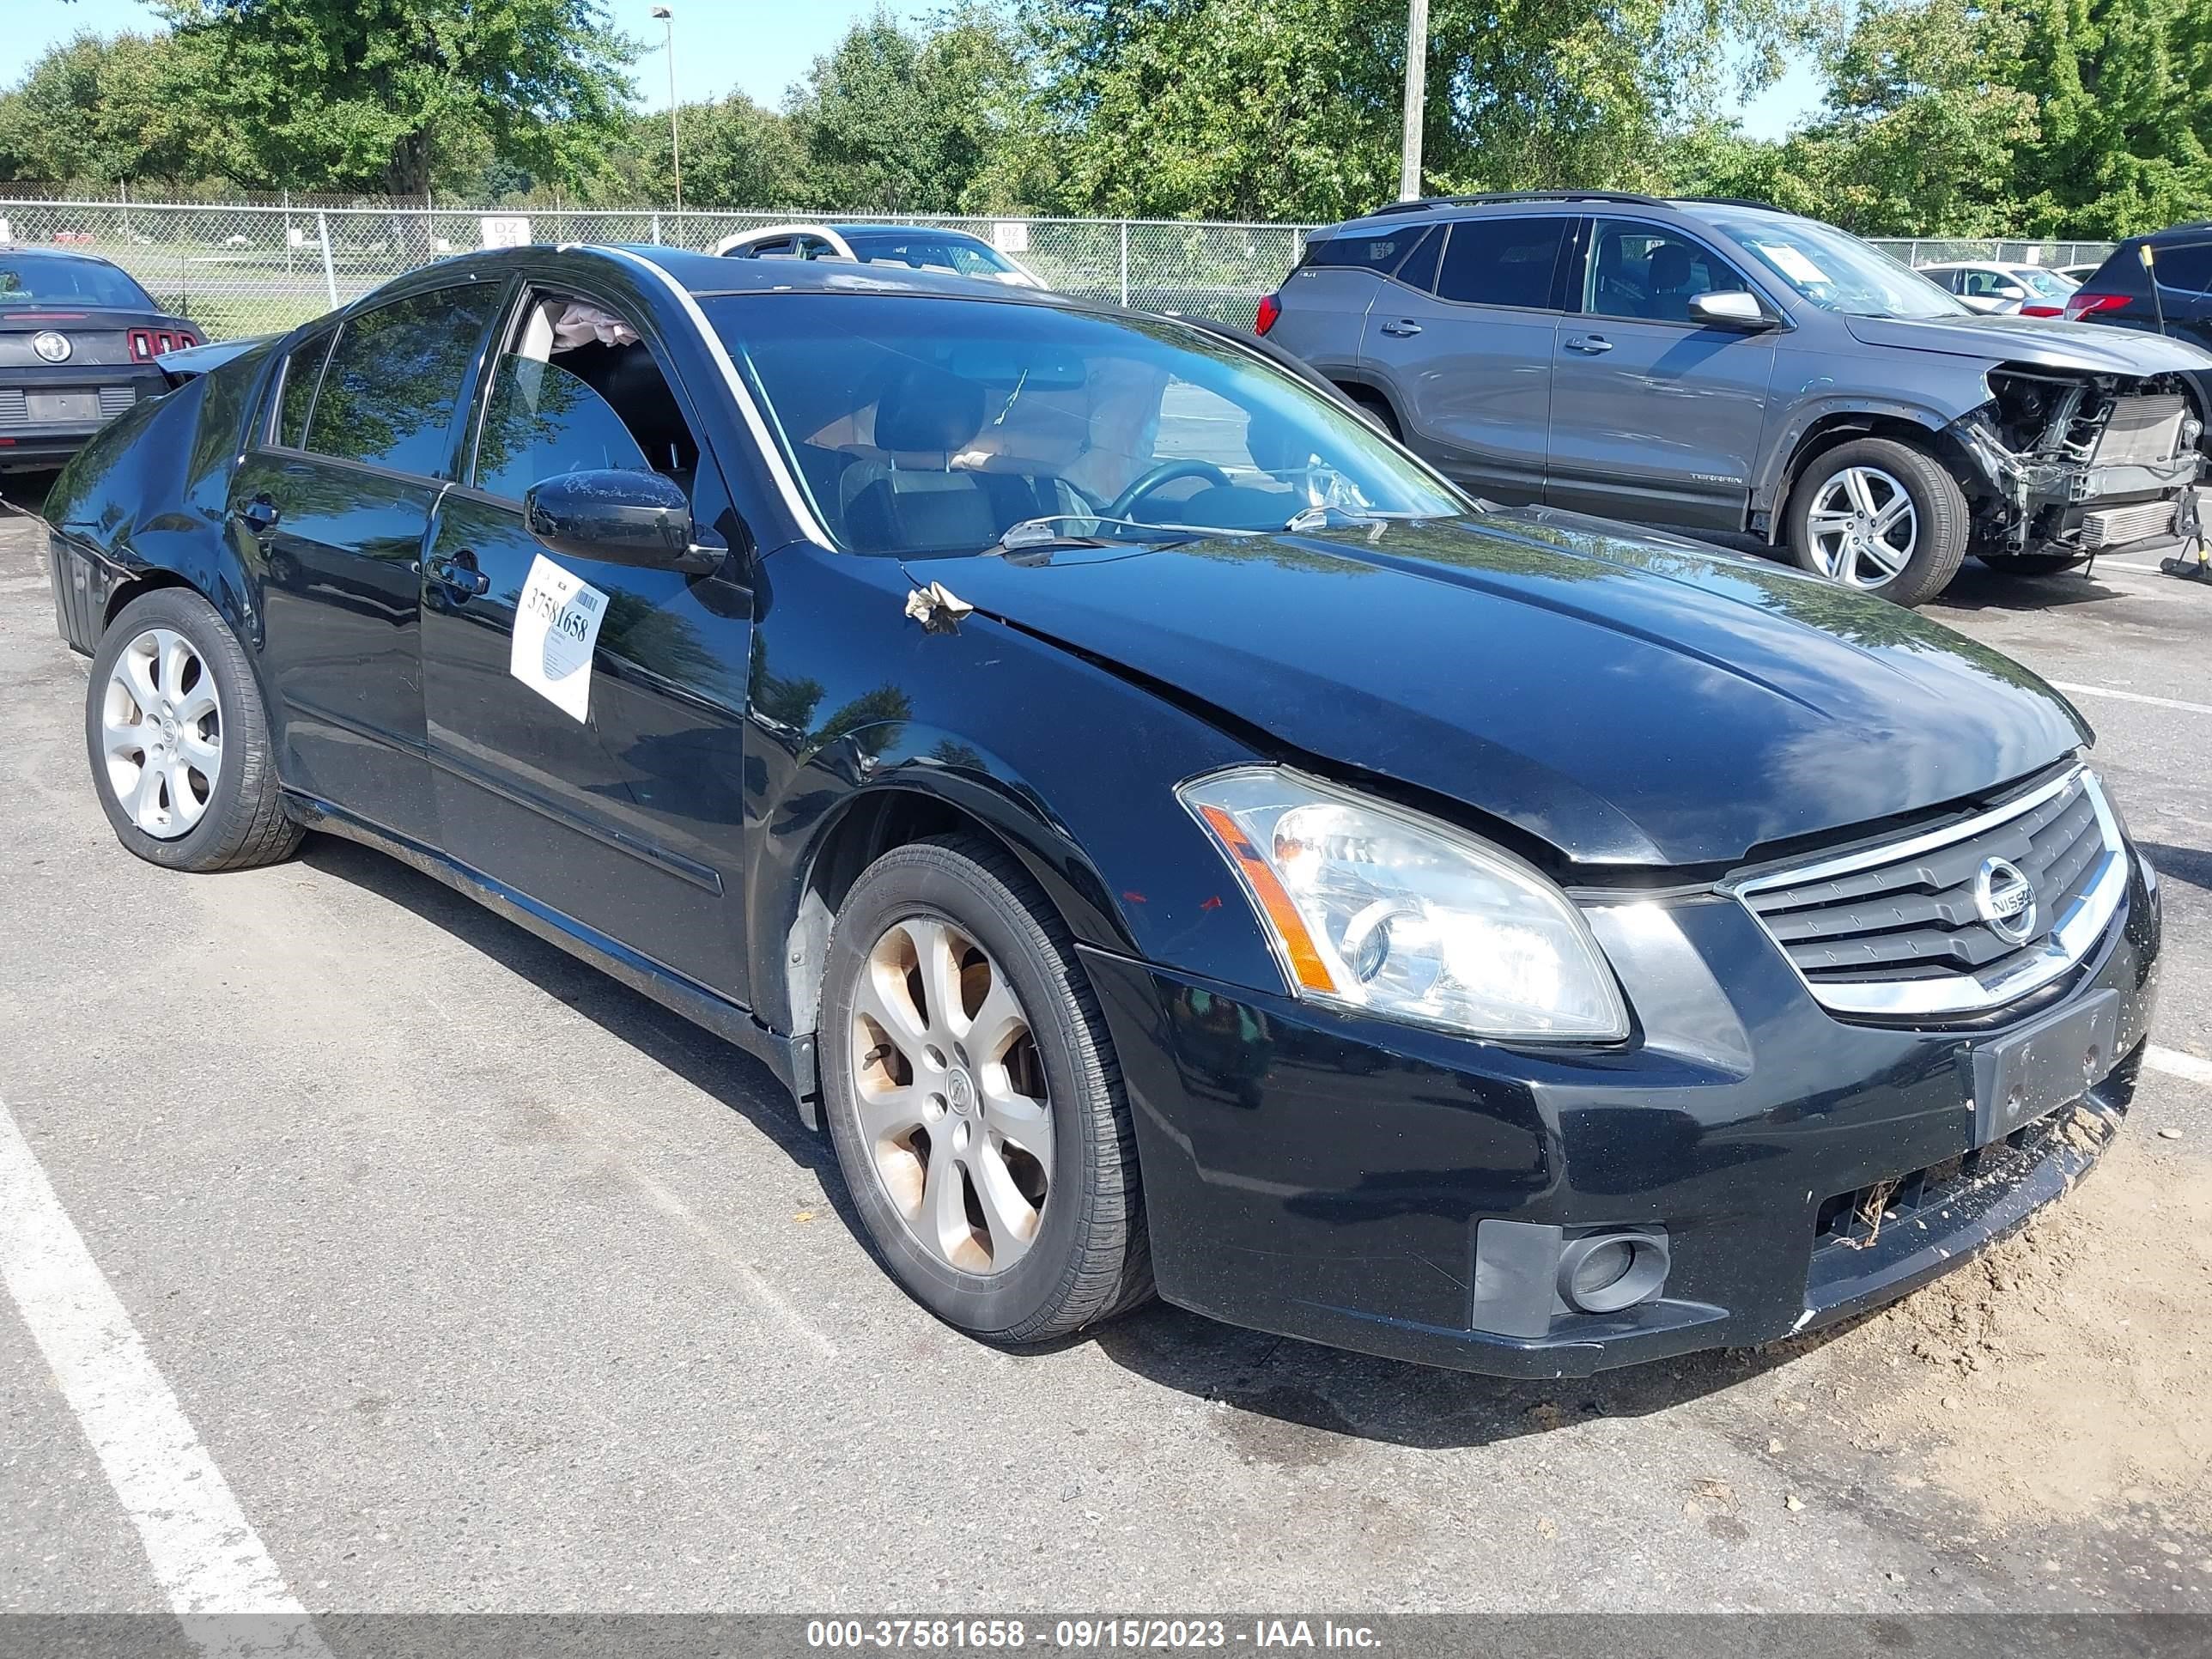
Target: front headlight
1372,907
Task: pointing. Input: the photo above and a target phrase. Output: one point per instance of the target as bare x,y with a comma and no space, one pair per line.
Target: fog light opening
1606,1272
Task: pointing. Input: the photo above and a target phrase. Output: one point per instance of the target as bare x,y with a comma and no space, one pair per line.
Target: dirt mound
2067,1369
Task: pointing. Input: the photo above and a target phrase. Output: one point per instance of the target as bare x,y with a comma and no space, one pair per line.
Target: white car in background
1999,288
916,247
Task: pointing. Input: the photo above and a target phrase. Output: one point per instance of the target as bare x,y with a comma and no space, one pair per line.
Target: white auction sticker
557,625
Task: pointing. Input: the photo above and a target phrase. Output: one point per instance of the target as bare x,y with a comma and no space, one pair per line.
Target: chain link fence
2054,256
255,269
239,269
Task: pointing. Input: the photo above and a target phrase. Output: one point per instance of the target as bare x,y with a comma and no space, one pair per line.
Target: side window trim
272,425
525,291
1550,308
1735,266
464,394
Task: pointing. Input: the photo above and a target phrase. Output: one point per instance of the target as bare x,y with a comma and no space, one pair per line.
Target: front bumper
1324,1176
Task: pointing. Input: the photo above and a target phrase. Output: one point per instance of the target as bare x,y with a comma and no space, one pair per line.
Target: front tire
974,1100
178,741
1881,516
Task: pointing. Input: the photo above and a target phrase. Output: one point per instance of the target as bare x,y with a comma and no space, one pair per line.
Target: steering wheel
1123,505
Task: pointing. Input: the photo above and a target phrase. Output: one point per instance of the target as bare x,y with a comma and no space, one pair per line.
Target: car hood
2048,343
1625,698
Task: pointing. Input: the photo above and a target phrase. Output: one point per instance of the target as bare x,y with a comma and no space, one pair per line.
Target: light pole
1417,88
675,158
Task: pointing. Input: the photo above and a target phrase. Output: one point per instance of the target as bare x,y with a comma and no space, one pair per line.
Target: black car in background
1164,832
2120,292
78,337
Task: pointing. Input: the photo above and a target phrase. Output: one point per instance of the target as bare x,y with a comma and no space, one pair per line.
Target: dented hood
2045,343
1627,699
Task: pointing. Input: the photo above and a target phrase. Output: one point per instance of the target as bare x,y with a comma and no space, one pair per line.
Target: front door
1469,367
1654,415
331,505
610,794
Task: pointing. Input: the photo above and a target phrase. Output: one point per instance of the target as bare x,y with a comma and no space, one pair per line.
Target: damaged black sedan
1166,834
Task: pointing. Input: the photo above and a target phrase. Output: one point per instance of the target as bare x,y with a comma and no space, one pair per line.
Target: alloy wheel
1863,527
162,733
953,1107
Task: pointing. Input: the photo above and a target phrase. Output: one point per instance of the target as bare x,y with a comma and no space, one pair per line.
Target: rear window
2186,266
302,370
1502,262
47,279
1367,250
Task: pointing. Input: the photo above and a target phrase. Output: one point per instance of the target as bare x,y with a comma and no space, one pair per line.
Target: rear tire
1377,406
1881,516
178,741
974,1099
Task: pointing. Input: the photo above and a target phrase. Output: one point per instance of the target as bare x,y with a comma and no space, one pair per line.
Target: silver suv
1724,367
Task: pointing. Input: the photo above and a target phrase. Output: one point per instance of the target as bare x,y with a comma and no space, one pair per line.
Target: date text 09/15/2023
1085,1635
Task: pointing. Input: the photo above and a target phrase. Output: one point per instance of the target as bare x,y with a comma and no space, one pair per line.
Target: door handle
1593,344
260,515
464,578
1404,327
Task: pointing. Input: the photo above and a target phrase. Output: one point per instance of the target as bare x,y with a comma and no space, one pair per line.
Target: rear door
1468,366
330,506
1654,415
1325,300
620,809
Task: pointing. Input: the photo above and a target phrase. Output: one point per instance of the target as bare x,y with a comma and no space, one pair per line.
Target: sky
756,47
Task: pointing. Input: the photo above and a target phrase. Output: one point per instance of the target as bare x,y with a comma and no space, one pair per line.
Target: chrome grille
14,411
1911,928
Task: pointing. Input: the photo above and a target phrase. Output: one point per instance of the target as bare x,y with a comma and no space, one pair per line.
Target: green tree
1290,108
95,109
895,122
2125,91
400,96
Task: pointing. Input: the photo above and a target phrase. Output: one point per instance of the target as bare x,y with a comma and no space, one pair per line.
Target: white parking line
205,1556
2174,1063
2074,690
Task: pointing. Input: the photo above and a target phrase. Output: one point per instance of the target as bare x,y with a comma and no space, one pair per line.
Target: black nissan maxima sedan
1165,833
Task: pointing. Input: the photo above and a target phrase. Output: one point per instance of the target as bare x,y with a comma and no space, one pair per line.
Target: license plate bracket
44,408
2019,1077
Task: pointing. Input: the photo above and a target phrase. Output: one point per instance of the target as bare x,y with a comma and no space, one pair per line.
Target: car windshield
36,279
1837,272
2042,283
925,253
921,425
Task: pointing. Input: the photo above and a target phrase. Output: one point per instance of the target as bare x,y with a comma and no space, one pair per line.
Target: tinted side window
2188,266
1419,269
544,421
1502,262
388,394
1644,271
1367,250
302,369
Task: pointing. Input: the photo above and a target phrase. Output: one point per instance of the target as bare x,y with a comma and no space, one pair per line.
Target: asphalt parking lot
483,1283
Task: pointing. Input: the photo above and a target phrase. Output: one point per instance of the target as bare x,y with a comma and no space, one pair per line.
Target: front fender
1931,408
1071,765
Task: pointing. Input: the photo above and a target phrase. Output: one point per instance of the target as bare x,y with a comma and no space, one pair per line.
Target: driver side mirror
629,518
1736,309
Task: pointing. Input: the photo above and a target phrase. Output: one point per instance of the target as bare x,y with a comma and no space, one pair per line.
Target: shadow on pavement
2192,864
1978,588
1296,1403
705,1061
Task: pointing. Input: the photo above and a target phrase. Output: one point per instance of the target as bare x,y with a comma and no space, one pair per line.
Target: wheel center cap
960,1091
168,731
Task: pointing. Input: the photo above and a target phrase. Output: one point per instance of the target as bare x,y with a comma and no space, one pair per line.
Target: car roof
874,228
1516,203
58,250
